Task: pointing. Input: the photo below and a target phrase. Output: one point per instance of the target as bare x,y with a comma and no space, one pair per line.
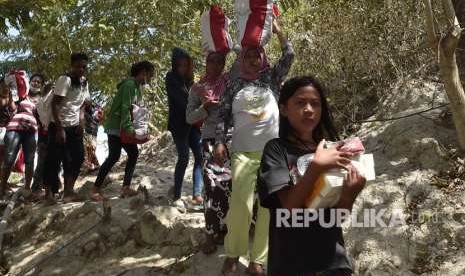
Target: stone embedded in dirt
194,240
180,205
91,246
136,202
85,190
82,210
157,222
129,248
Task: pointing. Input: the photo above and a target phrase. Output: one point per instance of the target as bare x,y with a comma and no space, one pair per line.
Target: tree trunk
459,6
455,93
445,48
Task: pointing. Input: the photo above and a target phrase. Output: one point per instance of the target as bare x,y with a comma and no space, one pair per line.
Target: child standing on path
304,123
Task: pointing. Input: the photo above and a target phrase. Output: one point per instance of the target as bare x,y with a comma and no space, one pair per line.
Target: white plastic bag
141,119
18,82
44,109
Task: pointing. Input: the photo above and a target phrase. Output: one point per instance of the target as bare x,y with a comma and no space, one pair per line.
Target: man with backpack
65,130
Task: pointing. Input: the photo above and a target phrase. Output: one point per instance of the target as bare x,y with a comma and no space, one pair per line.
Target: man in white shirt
66,128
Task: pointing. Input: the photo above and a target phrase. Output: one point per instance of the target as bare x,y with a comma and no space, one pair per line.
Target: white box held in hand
327,189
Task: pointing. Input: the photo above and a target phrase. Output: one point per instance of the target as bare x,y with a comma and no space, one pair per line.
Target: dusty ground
408,153
147,237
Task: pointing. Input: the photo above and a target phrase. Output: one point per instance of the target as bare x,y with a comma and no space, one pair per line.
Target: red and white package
255,21
276,11
140,121
18,82
352,145
19,166
215,31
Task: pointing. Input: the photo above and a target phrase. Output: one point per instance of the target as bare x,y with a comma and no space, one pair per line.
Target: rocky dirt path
419,174
145,236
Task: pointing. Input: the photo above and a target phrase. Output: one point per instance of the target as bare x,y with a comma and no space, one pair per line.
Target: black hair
177,55
78,57
325,126
40,76
218,54
138,67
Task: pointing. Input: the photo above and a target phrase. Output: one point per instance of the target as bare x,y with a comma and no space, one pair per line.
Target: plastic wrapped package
327,189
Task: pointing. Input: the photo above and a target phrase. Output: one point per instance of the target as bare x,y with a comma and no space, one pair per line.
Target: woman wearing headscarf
250,105
178,83
203,106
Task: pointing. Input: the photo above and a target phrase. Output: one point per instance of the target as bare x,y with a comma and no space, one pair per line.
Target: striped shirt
24,119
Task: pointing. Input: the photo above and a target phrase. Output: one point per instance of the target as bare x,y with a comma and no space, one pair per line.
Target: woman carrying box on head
251,103
203,107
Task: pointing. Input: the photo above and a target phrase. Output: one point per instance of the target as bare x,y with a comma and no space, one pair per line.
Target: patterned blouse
271,79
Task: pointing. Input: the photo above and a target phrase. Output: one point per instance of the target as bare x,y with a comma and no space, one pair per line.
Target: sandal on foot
71,198
229,266
255,269
126,191
209,247
197,200
96,195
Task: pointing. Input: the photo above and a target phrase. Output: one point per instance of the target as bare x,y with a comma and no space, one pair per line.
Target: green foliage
17,13
115,34
357,48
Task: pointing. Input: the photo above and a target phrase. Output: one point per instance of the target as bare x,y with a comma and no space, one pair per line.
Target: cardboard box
328,187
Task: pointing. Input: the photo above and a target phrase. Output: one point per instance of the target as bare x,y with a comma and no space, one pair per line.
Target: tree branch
454,30
433,38
449,11
65,33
